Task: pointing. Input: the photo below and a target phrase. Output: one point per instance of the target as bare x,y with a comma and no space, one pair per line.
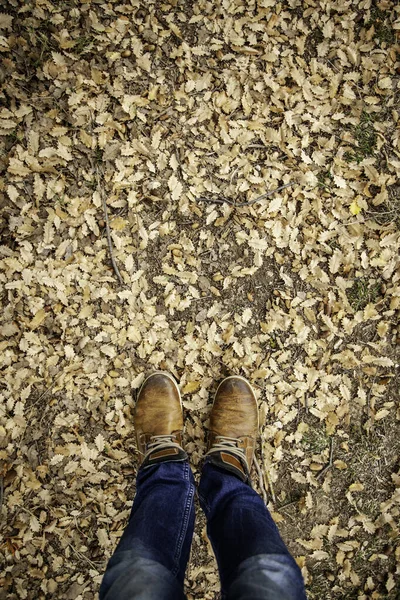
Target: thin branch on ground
82,556
106,220
223,200
27,511
261,480
368,428
330,463
178,160
266,195
265,479
217,200
289,503
47,390
270,485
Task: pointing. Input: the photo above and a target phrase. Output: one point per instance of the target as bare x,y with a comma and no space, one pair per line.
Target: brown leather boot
233,427
158,421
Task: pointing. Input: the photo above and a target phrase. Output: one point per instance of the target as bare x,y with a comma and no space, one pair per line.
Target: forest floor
162,124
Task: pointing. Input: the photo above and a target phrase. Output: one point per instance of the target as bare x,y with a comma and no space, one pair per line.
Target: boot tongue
230,462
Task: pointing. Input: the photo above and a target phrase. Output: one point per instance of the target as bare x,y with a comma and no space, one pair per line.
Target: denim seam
185,521
204,501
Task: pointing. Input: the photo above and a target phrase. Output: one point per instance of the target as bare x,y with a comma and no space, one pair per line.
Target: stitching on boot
165,452
233,461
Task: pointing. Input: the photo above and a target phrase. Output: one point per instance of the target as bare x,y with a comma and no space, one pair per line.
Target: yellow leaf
381,414
85,312
153,91
191,386
118,224
340,464
3,345
354,208
356,487
86,138
38,319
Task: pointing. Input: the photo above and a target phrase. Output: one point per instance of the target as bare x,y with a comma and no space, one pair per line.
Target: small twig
290,503
47,390
267,478
1,493
105,211
80,555
383,212
106,220
217,200
369,404
260,480
27,511
223,200
42,395
330,463
165,24
271,487
178,160
235,172
278,189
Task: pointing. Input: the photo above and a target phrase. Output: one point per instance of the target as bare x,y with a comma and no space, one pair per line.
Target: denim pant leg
253,560
151,557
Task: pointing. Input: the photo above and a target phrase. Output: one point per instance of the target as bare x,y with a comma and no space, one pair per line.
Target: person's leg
253,561
151,557
159,531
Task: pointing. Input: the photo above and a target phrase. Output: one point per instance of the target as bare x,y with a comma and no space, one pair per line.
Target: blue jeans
151,557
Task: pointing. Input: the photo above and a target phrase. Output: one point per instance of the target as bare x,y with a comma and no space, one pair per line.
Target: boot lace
160,442
228,444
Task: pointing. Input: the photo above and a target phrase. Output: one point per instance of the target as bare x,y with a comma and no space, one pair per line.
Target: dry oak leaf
38,319
175,187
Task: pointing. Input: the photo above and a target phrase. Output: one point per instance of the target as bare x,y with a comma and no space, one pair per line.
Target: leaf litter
145,110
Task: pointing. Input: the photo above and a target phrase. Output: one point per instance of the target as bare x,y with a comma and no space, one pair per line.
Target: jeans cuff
156,458
229,462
